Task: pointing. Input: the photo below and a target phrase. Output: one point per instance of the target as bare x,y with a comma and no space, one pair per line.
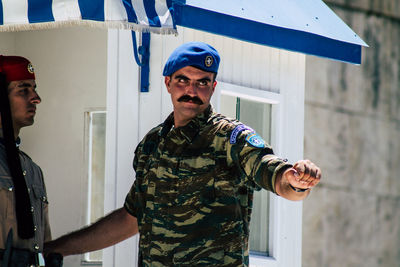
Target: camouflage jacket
194,188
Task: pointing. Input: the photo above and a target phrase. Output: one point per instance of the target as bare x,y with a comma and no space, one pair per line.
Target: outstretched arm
304,175
109,230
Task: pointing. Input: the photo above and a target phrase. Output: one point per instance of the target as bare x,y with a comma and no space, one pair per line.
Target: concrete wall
352,130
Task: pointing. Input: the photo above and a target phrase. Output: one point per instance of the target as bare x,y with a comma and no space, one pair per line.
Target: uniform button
10,188
32,209
44,199
36,247
29,190
35,228
24,173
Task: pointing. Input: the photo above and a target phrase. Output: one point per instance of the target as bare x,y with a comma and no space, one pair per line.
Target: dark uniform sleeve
129,204
256,160
47,229
136,198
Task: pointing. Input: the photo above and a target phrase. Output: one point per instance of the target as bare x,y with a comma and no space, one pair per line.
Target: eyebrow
205,79
26,85
181,76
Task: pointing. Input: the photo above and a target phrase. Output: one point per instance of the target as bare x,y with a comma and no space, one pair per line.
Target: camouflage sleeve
129,204
256,160
135,199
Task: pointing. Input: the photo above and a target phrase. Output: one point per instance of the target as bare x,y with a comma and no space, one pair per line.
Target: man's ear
167,80
214,85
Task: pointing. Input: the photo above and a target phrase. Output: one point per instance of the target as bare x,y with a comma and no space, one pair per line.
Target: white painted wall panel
7,44
123,139
70,66
243,64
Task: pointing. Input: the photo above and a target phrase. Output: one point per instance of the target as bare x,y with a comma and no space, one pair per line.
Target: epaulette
26,155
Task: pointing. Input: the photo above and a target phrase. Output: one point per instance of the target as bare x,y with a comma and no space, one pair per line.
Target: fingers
309,174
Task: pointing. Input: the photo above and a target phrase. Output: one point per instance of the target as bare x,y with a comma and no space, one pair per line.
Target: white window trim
121,137
88,154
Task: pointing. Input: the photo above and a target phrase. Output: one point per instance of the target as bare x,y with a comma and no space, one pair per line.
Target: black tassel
22,200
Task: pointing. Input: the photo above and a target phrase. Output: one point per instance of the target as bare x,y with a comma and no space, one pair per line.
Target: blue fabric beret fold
197,54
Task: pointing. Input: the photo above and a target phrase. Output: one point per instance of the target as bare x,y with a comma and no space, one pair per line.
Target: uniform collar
190,130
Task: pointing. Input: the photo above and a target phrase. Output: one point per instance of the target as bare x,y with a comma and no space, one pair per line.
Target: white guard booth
98,102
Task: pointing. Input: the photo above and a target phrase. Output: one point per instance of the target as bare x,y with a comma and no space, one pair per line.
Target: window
95,135
261,110
257,115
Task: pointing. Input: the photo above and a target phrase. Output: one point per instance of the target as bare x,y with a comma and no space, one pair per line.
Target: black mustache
187,98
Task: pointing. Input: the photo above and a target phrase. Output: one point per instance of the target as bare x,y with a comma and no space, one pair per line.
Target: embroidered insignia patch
255,140
236,131
208,61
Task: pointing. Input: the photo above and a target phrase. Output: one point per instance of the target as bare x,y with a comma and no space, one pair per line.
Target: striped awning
138,15
305,26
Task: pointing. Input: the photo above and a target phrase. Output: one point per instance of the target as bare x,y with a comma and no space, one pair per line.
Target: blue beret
197,54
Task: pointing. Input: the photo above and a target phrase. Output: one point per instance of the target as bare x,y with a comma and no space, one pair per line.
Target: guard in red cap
23,201
20,78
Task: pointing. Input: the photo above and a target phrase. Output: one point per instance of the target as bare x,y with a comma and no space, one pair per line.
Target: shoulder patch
237,131
255,140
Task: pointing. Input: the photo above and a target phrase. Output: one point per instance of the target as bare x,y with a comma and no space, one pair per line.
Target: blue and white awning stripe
305,26
138,15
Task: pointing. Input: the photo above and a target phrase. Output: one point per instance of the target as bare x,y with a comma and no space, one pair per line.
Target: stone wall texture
352,131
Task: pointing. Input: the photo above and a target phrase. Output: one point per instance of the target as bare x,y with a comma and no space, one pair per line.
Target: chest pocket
6,198
195,181
39,200
196,165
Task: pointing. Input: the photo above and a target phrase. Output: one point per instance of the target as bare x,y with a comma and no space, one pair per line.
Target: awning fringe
94,24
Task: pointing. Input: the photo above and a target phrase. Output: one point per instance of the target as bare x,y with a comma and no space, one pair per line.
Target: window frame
283,236
88,128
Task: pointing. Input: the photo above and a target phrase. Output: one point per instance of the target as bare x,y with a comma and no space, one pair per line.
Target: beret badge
208,61
30,68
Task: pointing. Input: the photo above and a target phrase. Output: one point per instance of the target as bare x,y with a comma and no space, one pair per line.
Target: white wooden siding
244,65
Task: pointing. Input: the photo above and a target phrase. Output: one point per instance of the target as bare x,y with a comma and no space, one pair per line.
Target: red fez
16,68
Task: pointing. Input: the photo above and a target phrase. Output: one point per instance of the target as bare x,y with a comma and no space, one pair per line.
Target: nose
191,89
36,98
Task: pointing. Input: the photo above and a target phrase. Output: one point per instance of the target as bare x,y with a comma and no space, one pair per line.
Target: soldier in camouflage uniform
195,177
